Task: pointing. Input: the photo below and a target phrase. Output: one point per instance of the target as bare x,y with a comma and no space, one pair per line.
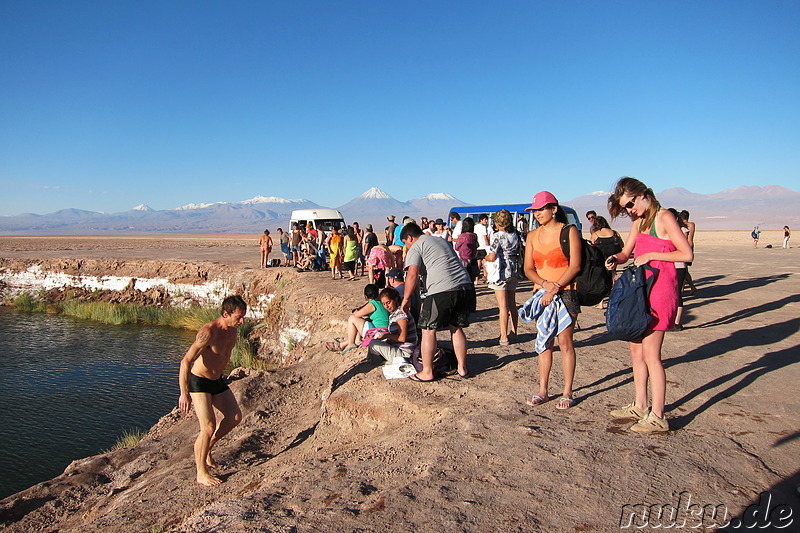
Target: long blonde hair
633,188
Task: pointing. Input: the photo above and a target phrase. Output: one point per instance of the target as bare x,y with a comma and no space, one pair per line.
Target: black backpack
444,361
593,280
628,313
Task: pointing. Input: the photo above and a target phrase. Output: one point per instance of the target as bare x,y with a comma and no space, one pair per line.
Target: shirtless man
202,383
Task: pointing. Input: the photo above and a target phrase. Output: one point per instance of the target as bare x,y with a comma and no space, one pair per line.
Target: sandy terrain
329,444
231,250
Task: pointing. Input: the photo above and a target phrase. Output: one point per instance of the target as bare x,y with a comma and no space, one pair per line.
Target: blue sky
106,105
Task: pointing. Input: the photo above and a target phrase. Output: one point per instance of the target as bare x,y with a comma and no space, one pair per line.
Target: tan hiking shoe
630,411
651,424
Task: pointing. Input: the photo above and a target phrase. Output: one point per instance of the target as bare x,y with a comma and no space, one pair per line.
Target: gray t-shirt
439,266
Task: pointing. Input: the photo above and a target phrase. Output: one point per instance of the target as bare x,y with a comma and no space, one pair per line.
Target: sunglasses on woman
630,204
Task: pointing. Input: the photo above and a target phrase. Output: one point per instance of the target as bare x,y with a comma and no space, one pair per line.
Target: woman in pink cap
657,239
548,268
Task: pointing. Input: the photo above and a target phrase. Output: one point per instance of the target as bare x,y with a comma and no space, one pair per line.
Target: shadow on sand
719,291
759,336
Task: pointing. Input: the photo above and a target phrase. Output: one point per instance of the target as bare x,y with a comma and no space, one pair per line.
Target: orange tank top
549,259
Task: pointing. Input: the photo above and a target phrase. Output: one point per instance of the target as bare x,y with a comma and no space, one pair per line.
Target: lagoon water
69,388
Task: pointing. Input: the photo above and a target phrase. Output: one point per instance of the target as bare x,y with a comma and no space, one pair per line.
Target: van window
327,224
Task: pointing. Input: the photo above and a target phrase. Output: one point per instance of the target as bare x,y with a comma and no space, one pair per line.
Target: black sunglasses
630,204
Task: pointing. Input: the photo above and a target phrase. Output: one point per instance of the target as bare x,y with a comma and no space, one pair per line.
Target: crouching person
202,384
401,340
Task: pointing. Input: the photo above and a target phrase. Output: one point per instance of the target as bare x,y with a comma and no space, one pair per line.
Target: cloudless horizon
107,105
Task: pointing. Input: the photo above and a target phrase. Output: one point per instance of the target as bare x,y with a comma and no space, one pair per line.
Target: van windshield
327,224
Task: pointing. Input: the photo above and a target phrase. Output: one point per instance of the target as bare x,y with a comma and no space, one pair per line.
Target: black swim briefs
210,386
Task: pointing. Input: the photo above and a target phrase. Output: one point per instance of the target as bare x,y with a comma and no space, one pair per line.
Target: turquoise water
69,388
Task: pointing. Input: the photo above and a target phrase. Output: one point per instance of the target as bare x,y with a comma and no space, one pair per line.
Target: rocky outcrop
163,283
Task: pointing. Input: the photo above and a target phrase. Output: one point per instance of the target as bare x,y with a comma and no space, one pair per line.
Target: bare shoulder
205,333
666,218
529,237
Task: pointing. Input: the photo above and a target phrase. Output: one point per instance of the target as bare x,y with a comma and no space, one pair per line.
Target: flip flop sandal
332,346
565,403
536,400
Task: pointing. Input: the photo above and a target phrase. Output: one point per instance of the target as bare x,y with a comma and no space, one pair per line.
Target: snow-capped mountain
144,208
189,207
374,193
373,204
437,202
271,200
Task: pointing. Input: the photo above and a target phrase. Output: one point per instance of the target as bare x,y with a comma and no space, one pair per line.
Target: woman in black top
603,237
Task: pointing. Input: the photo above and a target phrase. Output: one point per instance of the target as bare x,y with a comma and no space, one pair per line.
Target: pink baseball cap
542,199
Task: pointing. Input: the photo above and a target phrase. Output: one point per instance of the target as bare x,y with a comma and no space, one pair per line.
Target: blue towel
550,320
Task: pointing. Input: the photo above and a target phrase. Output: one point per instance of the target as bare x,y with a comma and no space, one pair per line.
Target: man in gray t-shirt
439,266
449,295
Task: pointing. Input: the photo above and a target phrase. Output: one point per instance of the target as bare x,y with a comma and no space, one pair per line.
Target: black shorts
681,272
209,386
570,299
481,254
444,309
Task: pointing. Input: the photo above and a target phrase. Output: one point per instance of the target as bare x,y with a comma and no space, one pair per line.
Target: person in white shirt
455,219
484,233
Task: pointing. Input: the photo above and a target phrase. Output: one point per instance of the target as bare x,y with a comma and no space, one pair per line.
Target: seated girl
370,315
401,340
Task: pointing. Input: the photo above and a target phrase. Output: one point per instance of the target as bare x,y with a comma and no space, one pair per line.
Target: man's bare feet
208,480
210,462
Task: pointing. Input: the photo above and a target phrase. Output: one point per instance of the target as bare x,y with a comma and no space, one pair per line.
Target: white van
319,218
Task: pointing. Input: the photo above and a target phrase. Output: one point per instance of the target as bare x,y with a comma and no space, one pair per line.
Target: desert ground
327,443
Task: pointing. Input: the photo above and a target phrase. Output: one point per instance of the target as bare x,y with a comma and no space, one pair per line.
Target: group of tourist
448,263
394,322
464,251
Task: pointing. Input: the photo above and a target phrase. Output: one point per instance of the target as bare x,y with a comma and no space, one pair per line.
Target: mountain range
771,207
247,216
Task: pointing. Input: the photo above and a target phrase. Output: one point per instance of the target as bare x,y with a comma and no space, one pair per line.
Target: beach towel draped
550,320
